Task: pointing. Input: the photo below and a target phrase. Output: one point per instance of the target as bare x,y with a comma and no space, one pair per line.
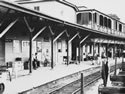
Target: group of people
36,62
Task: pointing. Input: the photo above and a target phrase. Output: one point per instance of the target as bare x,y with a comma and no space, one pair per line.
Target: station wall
19,47
54,9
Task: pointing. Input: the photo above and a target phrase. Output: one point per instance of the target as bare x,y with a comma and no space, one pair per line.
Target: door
59,52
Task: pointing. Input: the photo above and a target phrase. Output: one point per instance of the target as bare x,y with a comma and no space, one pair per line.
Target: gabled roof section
100,13
82,7
37,1
68,3
28,11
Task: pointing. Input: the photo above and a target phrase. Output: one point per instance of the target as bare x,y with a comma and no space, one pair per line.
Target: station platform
43,75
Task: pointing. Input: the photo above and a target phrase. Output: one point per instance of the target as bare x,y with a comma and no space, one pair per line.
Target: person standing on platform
104,72
34,61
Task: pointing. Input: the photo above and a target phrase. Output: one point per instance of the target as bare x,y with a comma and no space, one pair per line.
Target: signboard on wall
8,40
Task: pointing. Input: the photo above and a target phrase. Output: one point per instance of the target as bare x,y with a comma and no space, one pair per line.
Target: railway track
69,84
74,87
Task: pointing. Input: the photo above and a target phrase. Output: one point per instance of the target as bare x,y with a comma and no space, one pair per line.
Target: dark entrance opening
75,46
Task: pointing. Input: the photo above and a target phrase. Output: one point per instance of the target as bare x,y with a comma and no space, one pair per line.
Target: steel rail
76,91
90,81
78,80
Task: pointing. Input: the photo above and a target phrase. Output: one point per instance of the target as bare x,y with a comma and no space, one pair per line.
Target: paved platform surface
42,75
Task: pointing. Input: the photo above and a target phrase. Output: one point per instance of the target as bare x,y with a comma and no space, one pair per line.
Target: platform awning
30,12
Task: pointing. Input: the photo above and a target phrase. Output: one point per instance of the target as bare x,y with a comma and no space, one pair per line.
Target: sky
106,6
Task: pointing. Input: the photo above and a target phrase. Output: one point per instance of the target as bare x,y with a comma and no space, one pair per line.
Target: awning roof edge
41,15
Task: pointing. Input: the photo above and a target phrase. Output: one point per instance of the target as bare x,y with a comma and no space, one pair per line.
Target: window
95,17
120,27
109,23
79,18
16,46
85,18
25,47
90,16
36,8
115,25
105,21
101,20
25,43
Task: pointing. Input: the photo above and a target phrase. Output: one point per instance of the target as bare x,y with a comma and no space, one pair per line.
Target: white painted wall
55,51
16,48
55,9
58,56
46,49
9,52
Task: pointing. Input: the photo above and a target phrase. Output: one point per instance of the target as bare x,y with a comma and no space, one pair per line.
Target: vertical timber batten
67,50
30,44
79,51
107,50
94,49
30,52
52,51
115,59
52,40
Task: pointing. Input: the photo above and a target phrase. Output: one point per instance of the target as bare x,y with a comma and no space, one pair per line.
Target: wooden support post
73,37
115,65
67,51
100,52
52,37
8,27
82,84
93,50
122,62
30,44
79,51
98,49
30,47
107,51
115,61
84,39
59,36
39,32
114,52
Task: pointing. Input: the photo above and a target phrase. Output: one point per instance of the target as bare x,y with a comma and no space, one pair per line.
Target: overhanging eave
22,9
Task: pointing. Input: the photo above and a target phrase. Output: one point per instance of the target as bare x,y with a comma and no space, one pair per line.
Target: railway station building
57,31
